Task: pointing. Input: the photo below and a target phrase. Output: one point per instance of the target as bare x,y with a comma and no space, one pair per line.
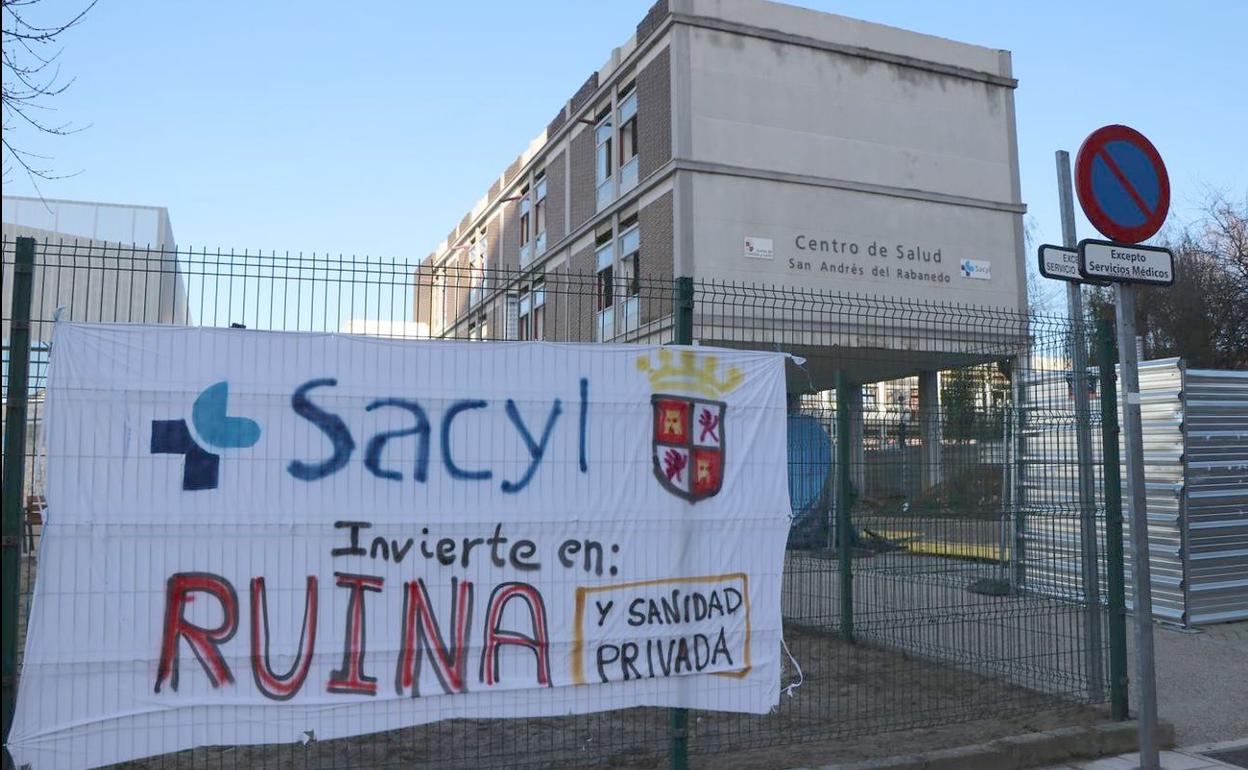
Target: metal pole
678,718
14,474
1083,441
1021,367
1138,510
844,524
1113,522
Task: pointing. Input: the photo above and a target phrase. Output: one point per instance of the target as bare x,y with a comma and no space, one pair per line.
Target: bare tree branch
32,77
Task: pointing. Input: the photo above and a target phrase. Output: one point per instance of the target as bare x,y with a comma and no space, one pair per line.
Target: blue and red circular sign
1122,184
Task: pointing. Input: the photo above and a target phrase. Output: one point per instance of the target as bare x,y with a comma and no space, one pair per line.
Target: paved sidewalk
1179,759
1200,681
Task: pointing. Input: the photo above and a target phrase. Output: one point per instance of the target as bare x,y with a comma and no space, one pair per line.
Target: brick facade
510,174
509,255
570,303
493,245
422,294
653,18
579,295
555,215
654,113
570,204
586,90
556,123
584,201
658,240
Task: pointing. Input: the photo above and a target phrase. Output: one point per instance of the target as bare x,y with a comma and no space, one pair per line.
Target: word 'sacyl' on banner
261,537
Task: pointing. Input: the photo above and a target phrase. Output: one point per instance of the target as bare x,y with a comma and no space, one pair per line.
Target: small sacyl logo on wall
977,268
201,468
759,248
689,440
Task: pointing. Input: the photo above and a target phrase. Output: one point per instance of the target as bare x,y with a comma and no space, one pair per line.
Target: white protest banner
257,537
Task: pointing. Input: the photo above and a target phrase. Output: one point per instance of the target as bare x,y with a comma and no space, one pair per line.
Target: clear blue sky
371,128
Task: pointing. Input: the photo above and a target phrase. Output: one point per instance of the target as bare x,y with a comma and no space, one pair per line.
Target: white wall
789,108
853,148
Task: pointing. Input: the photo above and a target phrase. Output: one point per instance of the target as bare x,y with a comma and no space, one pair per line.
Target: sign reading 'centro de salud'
853,243
281,535
899,262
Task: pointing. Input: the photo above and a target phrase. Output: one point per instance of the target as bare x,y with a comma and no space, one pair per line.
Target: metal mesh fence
963,596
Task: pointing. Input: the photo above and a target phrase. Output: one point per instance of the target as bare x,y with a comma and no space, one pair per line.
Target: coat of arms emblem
689,440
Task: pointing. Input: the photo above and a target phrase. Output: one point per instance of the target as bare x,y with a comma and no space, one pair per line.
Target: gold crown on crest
694,373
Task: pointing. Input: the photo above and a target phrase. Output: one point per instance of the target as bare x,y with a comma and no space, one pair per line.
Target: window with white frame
524,306
604,158
476,270
628,137
539,213
538,312
629,279
526,233
532,310
437,303
604,256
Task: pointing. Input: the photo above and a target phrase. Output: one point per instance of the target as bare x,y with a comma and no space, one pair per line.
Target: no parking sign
1124,189
1122,184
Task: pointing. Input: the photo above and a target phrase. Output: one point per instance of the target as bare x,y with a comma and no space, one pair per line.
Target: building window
538,313
476,271
437,302
869,398
605,257
630,273
628,138
604,158
532,310
539,214
526,250
525,309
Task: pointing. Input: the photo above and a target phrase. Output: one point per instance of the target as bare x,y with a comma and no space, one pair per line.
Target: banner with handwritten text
265,537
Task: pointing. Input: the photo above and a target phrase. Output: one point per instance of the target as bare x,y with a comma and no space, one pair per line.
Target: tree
1203,317
32,77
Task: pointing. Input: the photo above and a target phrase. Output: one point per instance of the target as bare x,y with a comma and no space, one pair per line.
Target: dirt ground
856,702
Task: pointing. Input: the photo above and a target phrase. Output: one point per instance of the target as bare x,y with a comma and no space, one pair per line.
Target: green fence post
844,500
1106,356
14,470
678,718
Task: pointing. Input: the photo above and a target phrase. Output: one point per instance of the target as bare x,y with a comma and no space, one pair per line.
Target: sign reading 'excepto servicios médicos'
1059,263
1124,263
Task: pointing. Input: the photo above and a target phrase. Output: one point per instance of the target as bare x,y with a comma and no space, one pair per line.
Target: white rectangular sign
254,537
1125,263
978,269
1060,263
759,248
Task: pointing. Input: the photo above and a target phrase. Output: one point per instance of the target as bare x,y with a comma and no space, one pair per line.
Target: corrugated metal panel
1216,499
1195,426
1161,415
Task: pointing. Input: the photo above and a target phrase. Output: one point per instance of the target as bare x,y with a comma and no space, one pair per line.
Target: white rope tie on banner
789,690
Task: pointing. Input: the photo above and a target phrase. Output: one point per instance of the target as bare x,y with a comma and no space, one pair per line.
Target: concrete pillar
929,429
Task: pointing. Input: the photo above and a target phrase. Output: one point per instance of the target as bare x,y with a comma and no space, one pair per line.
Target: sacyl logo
978,269
200,468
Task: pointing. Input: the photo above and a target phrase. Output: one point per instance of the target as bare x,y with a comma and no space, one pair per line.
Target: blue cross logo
201,468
